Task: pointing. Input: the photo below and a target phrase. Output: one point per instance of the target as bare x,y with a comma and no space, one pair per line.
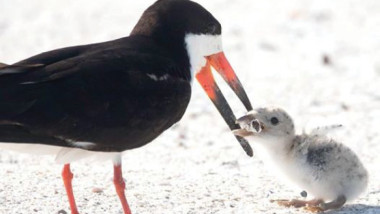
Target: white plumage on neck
200,46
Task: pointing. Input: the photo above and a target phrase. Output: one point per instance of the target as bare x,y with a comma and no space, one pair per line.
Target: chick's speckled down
331,169
325,168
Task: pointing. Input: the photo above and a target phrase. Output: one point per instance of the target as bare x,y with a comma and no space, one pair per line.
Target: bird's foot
282,202
297,203
289,203
314,209
321,206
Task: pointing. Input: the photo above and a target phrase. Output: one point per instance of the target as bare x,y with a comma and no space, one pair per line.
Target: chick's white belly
327,176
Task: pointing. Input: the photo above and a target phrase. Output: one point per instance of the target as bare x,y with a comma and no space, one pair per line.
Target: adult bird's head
193,36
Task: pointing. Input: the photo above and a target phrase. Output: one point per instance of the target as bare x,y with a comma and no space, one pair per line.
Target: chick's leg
335,204
298,203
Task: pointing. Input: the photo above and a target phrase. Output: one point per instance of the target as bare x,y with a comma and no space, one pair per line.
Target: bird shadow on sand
356,208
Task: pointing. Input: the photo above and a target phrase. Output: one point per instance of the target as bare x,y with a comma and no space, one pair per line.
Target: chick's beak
242,132
206,79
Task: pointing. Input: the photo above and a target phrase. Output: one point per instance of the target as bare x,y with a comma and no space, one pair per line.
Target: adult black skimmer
109,97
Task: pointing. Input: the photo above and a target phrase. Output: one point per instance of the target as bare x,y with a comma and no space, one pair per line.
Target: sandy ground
277,49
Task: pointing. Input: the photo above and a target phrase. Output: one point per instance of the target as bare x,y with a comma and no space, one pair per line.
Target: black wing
95,93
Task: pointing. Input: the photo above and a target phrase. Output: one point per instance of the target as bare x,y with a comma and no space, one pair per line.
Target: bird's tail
15,97
15,69
2,65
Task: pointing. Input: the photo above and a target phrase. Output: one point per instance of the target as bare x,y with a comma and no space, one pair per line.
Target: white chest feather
200,46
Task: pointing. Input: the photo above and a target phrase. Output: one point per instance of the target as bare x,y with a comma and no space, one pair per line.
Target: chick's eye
274,120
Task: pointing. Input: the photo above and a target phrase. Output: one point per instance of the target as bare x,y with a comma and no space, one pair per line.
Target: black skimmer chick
326,169
105,98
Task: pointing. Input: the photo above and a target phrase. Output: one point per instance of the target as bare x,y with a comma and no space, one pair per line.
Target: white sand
197,166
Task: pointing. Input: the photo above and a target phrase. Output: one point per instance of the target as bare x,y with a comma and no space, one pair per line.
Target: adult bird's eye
211,28
274,120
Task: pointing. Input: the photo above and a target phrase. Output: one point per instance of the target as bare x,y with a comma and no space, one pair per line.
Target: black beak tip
247,148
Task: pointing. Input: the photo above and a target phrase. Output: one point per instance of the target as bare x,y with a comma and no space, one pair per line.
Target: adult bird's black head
193,36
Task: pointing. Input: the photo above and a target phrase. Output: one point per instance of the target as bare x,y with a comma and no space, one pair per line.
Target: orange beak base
206,79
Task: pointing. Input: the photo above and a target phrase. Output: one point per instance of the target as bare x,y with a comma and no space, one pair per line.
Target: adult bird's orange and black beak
220,63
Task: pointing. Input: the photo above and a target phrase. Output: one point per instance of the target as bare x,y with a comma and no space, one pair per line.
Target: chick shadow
355,209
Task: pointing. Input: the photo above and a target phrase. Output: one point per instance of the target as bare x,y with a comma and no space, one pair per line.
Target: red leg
120,186
67,177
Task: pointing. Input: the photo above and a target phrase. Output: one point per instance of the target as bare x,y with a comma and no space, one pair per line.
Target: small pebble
97,190
326,59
